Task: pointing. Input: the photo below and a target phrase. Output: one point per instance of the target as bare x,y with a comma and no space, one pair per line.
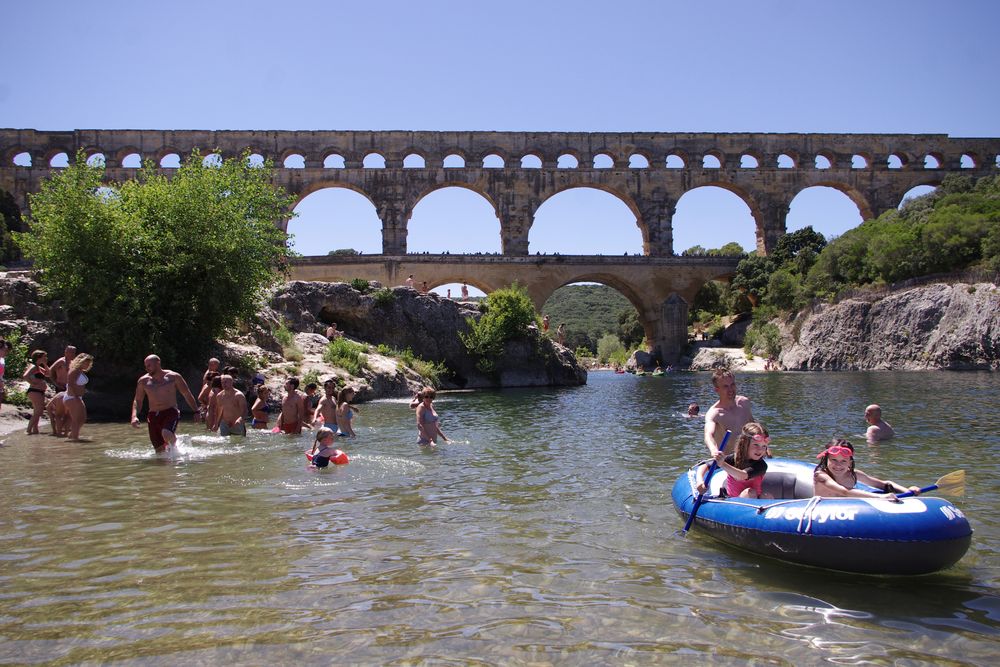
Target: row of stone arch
168,158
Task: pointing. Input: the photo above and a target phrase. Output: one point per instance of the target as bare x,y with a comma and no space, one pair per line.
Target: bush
158,264
506,316
384,297
17,356
762,338
608,347
289,350
18,398
347,355
311,376
361,285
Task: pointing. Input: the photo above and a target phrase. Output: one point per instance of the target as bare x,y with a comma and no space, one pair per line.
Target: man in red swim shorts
160,386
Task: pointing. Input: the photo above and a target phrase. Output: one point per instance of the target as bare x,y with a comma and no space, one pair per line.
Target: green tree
752,274
803,242
731,249
608,347
630,331
508,312
158,264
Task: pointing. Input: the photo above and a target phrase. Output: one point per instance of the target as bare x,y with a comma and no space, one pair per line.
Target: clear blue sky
910,66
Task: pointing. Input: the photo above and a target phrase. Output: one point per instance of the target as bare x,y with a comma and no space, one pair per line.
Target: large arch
713,215
600,208
334,217
618,285
828,210
444,208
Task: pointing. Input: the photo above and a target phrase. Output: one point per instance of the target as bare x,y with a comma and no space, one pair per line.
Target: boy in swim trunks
292,408
231,407
160,386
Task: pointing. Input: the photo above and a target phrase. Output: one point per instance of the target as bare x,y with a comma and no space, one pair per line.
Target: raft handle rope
807,514
763,508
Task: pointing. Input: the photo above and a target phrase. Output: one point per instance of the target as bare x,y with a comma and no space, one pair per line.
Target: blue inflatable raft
873,536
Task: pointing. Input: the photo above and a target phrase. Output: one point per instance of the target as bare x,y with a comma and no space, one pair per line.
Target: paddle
951,484
708,480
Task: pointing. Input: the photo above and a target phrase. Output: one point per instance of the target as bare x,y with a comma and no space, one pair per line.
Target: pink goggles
837,450
761,439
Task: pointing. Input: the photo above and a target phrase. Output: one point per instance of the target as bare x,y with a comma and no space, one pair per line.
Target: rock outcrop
429,326
938,326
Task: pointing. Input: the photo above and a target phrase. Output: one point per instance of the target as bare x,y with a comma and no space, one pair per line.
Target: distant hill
589,311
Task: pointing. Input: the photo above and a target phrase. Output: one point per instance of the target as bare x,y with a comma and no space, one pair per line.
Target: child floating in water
746,467
323,450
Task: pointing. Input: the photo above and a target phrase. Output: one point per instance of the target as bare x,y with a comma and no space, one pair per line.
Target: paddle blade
952,484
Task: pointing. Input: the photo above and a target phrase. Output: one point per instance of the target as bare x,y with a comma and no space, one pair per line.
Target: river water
544,534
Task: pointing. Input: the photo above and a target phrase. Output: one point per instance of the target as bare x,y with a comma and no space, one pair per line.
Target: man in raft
730,413
160,386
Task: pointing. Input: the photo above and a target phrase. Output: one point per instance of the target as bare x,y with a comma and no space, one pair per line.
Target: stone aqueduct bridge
660,288
649,172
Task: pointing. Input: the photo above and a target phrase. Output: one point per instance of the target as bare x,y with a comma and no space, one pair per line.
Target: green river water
544,535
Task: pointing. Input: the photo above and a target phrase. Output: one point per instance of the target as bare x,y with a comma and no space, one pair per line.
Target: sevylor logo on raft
819,514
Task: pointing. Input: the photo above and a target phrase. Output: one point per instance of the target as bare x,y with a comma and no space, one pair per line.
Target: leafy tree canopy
158,265
508,312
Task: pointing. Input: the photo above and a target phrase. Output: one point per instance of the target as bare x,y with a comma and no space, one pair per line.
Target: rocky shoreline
385,322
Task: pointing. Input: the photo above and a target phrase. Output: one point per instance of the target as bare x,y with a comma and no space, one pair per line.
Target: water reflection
546,535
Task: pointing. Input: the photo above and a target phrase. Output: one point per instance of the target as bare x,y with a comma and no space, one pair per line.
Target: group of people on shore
746,467
68,376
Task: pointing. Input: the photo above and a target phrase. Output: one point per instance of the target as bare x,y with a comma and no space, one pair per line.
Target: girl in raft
745,467
836,477
323,450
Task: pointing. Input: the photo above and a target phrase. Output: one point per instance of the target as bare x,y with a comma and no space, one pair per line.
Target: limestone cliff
429,326
937,326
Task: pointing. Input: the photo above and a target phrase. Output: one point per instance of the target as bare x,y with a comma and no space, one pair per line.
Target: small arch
494,161
823,161
132,161
749,161
414,161
531,161
933,161
638,161
894,162
212,160
59,160
374,161
453,161
786,161
859,161
23,159
97,160
334,161
674,161
255,160
170,161
567,161
711,161
968,161
603,161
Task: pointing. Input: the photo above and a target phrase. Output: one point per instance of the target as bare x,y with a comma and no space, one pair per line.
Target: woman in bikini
76,382
260,409
36,373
